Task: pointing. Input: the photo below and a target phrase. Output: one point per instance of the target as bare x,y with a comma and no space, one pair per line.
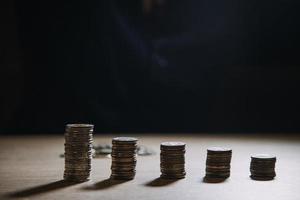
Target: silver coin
80,125
78,168
121,160
263,157
124,140
219,150
172,146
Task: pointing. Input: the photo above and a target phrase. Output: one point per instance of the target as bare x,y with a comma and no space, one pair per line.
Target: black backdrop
189,66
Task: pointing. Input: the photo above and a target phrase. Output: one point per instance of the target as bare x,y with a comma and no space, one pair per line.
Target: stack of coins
217,164
123,157
262,167
78,152
172,160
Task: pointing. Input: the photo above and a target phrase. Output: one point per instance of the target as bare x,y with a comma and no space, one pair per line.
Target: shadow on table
160,182
107,183
41,189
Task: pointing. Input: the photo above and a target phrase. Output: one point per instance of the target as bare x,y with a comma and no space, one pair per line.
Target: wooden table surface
30,168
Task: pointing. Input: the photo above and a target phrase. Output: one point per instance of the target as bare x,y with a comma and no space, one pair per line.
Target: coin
262,178
216,163
172,146
261,157
173,176
215,150
126,140
209,179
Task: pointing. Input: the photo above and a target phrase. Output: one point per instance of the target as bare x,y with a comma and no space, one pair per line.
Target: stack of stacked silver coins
217,164
78,152
123,158
262,167
172,160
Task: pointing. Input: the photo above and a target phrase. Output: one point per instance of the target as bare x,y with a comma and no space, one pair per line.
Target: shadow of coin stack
172,160
262,167
78,152
217,164
123,155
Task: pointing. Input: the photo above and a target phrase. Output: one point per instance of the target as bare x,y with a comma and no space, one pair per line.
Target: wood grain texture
30,168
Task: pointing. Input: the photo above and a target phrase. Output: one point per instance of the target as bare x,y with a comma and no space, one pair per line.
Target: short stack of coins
217,164
262,167
172,160
123,155
78,152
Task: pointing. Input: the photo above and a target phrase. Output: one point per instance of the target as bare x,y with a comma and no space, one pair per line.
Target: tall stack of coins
262,167
217,164
172,160
78,152
123,157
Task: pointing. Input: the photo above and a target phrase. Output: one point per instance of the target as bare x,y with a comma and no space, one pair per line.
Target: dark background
188,66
